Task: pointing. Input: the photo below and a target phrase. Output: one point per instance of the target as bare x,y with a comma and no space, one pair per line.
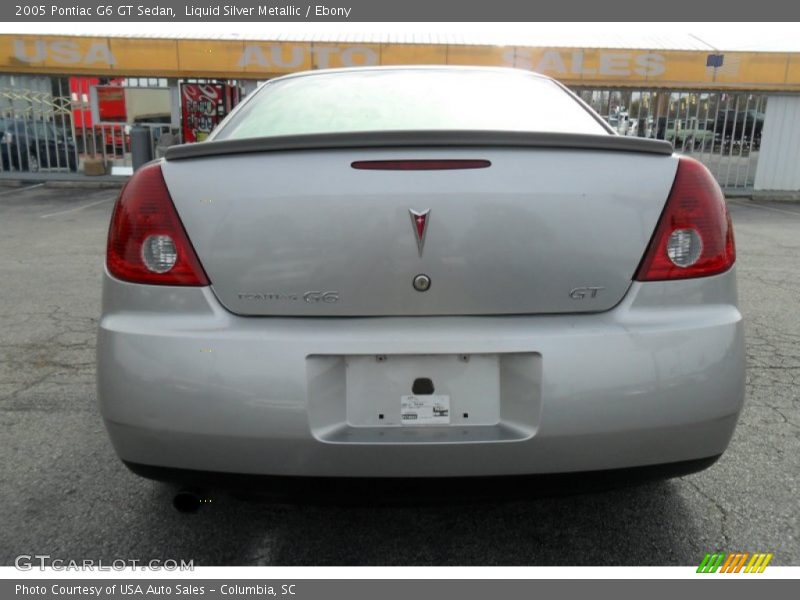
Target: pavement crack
723,524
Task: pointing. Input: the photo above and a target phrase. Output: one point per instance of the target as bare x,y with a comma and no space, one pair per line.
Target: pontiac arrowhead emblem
419,220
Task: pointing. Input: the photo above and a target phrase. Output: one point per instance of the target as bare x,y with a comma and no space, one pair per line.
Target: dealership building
71,102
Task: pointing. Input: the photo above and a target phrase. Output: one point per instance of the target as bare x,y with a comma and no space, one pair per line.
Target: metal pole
761,100
741,146
722,145
733,140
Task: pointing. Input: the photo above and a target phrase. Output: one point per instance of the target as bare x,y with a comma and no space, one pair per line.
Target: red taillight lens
694,237
146,241
421,165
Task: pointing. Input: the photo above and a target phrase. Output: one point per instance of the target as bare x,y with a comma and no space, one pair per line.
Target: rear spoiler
420,139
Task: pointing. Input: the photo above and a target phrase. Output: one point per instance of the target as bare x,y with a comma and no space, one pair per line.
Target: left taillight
146,240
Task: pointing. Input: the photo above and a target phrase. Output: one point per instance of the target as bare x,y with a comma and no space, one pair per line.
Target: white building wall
779,163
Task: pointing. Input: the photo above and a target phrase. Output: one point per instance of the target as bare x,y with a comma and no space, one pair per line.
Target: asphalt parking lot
64,493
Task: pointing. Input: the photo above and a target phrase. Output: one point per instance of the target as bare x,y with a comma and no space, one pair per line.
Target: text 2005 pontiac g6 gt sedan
419,272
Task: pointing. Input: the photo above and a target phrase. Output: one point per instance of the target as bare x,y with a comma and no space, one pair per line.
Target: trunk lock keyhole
422,387
422,283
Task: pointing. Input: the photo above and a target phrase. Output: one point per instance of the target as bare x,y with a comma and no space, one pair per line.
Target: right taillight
694,237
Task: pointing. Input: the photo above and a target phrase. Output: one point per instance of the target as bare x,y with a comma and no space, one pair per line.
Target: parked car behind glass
32,145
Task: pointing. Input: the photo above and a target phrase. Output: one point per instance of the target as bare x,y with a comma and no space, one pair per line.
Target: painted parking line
77,208
762,207
21,189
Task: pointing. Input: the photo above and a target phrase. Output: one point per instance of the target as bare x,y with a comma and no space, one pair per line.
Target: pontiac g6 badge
419,221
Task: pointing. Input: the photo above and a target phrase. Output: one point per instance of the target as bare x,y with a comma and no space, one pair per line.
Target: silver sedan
419,272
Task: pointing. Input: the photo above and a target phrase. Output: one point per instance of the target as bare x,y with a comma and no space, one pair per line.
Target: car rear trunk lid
539,230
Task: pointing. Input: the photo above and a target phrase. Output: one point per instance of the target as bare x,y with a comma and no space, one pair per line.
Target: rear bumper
184,384
321,490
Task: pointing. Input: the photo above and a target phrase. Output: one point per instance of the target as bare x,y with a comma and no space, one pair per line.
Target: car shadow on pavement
648,524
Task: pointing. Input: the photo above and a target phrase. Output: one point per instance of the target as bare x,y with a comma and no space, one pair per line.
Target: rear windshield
407,100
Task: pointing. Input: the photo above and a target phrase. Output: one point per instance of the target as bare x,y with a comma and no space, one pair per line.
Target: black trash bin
141,146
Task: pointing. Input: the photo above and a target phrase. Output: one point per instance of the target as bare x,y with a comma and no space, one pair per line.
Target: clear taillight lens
684,247
159,253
